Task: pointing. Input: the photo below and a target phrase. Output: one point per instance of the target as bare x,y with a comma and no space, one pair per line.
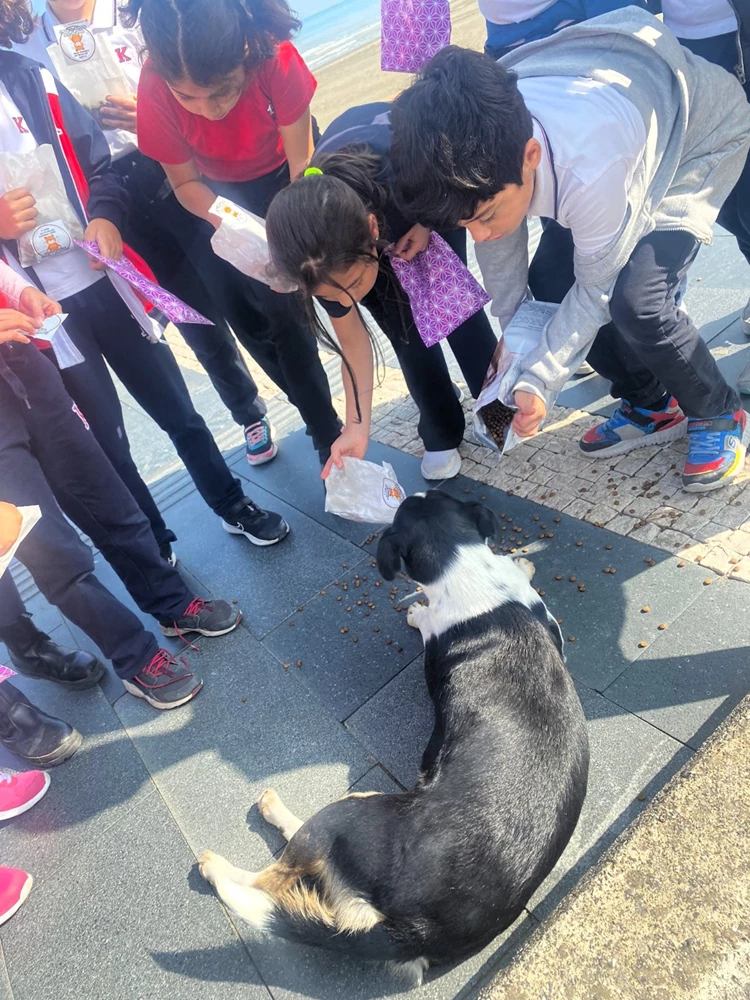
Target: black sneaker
166,682
261,527
207,617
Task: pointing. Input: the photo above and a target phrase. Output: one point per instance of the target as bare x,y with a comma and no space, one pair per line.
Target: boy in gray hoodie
625,144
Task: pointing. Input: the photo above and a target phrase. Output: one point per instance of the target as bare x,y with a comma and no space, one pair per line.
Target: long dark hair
319,226
16,22
205,40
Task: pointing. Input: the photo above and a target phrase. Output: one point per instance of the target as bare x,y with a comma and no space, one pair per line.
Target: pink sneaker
15,886
19,792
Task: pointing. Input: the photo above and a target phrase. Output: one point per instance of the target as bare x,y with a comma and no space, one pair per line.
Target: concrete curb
665,914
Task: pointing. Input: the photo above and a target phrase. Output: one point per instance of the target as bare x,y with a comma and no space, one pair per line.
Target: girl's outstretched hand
413,242
531,412
35,304
352,443
14,326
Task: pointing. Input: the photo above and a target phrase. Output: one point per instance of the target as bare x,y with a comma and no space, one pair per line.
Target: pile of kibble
497,419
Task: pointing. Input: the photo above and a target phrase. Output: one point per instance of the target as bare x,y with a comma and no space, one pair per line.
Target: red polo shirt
244,145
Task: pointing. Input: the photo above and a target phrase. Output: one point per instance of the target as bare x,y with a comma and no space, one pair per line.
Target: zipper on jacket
740,67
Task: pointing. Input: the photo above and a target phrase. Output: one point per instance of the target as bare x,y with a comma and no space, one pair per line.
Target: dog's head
428,530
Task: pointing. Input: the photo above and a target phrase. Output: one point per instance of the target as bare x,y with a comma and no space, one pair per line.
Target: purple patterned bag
443,293
173,308
411,32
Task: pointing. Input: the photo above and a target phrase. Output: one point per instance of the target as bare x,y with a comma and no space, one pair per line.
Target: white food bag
57,223
363,491
495,407
241,240
53,332
86,64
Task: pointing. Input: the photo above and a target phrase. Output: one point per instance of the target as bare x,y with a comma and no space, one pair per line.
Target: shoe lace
4,776
196,606
161,664
256,434
704,446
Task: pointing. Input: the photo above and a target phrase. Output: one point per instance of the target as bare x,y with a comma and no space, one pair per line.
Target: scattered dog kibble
349,608
300,608
373,564
703,512
662,626
286,666
345,565
359,603
389,642
378,583
344,630
399,649
355,639
571,638
542,593
243,700
291,624
323,593
557,520
339,598
608,547
681,565
645,610
234,600
642,644
707,582
582,587
649,561
641,796
299,663
536,517
559,576
572,579
579,544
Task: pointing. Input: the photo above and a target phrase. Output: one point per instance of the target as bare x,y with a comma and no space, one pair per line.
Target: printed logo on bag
20,124
83,420
393,495
5,673
50,239
77,42
122,53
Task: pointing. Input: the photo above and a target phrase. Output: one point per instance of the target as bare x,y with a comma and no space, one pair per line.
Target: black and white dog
434,874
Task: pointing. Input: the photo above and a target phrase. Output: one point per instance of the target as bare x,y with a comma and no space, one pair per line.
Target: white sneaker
441,464
746,320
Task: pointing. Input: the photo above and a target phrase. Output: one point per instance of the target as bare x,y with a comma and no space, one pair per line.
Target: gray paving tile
119,921
212,759
719,266
89,793
345,669
628,758
270,582
696,672
395,724
376,780
294,476
295,972
5,990
606,619
46,617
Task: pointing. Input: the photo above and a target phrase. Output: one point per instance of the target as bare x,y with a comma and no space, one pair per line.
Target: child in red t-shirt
224,106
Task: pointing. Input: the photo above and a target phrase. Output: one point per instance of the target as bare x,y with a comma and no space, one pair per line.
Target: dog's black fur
451,863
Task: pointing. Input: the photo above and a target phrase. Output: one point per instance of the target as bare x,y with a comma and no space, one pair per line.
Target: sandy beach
357,77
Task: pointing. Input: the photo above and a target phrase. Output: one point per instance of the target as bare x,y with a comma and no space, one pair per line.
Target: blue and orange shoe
259,443
716,455
631,427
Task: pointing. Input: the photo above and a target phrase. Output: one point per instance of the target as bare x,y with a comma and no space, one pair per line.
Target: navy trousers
49,457
104,331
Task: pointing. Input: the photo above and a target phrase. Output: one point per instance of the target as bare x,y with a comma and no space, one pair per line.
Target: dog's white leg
273,811
234,887
527,566
416,615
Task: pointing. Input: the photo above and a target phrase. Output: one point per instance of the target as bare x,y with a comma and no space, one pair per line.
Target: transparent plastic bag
495,407
241,240
85,63
363,491
52,330
57,223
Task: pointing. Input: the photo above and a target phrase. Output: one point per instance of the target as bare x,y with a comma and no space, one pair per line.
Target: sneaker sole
25,890
262,459
720,483
450,472
19,810
172,632
82,685
263,542
648,441
160,705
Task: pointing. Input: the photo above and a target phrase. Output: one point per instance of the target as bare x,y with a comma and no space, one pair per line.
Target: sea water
330,30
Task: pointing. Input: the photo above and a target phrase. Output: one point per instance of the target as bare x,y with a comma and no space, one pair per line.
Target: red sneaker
19,792
15,886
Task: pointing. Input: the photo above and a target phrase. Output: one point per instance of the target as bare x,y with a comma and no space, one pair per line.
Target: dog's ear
486,521
389,554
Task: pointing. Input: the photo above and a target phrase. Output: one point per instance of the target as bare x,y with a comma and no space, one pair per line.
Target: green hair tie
312,172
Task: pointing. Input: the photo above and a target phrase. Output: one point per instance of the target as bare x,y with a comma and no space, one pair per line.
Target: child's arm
298,143
357,349
190,190
25,298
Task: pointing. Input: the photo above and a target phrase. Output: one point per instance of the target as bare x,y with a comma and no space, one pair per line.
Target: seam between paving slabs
4,971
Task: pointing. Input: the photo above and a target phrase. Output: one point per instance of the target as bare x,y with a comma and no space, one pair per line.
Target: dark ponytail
319,227
205,40
16,22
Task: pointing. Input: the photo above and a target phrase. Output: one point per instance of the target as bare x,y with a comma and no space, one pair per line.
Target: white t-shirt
66,273
126,43
699,18
597,139
512,11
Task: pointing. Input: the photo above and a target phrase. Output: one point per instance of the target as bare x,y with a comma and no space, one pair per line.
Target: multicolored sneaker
19,792
631,427
15,885
210,618
259,443
165,682
716,454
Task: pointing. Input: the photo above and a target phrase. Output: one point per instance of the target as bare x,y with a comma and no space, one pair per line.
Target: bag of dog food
495,408
57,224
363,491
241,240
86,64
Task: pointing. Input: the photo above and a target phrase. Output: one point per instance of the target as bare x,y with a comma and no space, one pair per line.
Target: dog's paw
268,803
527,566
208,863
414,613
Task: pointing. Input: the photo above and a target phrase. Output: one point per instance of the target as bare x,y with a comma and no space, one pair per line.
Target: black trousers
651,347
271,327
162,232
735,212
102,328
441,417
48,456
